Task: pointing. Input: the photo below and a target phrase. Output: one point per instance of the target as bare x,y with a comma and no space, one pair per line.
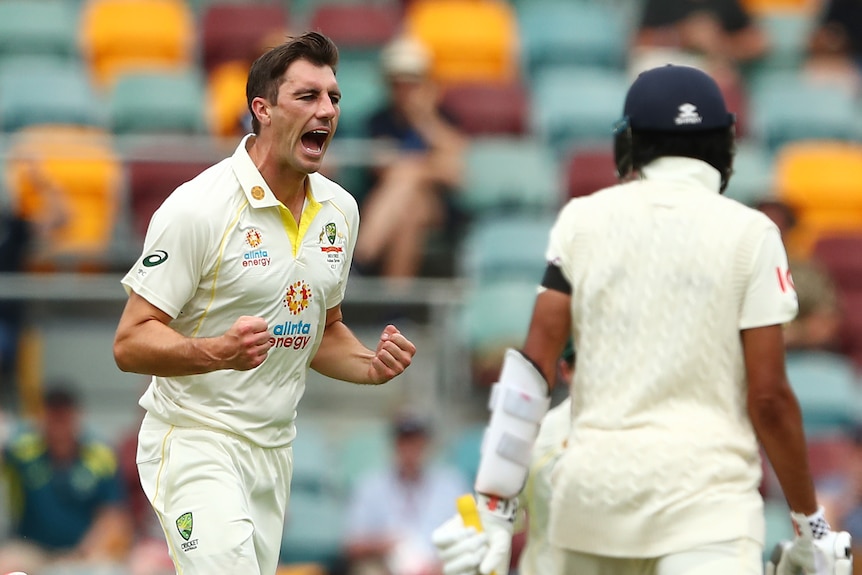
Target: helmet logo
688,115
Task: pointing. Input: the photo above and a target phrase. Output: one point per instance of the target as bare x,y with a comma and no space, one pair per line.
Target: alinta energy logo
294,334
297,297
255,257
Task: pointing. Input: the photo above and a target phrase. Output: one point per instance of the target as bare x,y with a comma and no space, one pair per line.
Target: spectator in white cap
419,166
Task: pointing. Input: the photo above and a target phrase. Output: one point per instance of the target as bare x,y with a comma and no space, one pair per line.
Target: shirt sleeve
170,268
561,240
352,220
770,298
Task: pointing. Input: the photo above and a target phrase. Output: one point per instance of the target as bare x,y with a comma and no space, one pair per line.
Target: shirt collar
684,171
257,190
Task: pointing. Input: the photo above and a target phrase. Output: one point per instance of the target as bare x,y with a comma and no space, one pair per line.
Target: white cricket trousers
221,500
737,557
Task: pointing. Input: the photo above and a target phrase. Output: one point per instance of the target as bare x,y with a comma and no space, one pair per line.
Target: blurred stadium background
107,105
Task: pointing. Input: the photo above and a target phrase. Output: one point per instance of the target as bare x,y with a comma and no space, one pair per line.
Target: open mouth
314,140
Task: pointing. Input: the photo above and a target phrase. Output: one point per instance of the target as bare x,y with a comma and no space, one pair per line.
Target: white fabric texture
664,272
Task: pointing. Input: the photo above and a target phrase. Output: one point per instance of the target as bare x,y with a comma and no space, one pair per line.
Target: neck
286,183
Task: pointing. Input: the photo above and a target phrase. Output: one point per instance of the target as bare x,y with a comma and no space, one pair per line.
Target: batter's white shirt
538,556
665,272
222,246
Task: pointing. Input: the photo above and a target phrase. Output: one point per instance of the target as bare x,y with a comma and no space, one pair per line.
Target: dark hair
265,75
715,147
60,395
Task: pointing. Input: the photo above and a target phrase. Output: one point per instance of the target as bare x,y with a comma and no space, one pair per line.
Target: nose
327,108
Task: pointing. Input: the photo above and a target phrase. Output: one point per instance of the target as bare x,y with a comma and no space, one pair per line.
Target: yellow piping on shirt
232,225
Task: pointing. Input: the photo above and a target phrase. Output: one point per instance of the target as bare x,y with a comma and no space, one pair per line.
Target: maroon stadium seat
589,170
240,31
151,181
341,22
488,109
841,256
851,328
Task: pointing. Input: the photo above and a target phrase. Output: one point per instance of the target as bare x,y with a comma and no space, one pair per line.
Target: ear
261,110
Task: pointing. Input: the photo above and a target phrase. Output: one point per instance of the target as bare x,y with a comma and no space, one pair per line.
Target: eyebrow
315,91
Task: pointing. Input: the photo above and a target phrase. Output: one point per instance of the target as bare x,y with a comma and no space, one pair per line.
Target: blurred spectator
393,511
835,45
67,500
20,239
420,166
716,35
817,325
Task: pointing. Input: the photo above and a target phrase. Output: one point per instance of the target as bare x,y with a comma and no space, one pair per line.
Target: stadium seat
507,247
778,7
46,27
778,525
753,177
227,106
788,106
363,92
589,170
44,90
556,32
471,40
488,109
788,33
851,326
841,256
509,174
81,167
123,35
577,106
828,391
367,447
462,451
313,530
153,174
157,102
380,23
495,316
222,40
314,460
822,180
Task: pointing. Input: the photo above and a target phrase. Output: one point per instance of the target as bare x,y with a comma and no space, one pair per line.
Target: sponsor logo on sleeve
185,524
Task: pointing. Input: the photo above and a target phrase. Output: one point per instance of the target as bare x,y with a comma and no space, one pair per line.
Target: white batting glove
498,521
817,550
460,548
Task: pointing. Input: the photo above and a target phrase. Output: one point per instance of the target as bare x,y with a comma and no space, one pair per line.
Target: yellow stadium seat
761,7
120,35
226,98
74,173
470,40
822,180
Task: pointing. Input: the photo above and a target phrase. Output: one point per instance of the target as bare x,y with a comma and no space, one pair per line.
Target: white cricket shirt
665,272
222,246
538,557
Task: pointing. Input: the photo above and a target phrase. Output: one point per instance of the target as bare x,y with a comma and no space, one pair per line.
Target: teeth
320,132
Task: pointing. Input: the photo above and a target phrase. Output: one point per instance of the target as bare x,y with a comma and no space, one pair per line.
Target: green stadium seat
46,27
576,105
505,247
778,526
569,32
828,391
363,92
368,446
509,174
788,33
158,102
753,173
313,530
46,90
787,106
463,450
497,313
